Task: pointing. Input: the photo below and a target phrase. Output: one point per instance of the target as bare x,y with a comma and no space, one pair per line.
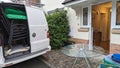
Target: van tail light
48,34
9,64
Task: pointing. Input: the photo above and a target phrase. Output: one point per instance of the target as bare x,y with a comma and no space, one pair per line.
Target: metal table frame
82,50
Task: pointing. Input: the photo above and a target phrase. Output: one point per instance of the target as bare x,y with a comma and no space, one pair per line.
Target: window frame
114,15
87,17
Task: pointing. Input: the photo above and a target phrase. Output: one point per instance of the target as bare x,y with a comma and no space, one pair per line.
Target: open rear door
38,29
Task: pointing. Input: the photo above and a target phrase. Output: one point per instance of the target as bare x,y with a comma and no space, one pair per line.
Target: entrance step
77,40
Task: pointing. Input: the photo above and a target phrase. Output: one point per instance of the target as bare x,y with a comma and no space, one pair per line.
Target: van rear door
38,28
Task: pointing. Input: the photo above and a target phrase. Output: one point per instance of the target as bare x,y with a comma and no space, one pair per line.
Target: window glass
118,13
85,16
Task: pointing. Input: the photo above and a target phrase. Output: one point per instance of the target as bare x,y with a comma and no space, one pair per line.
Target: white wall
115,38
74,18
52,4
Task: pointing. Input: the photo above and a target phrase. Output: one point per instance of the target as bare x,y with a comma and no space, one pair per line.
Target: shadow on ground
32,63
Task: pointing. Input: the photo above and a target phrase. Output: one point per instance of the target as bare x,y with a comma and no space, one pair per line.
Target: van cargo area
14,30
24,33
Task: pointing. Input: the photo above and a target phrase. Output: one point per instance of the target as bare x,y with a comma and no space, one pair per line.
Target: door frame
90,22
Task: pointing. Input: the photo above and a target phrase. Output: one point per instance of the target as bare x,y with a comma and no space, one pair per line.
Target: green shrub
58,27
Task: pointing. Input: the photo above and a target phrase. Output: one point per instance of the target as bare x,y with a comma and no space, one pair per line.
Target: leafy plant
58,27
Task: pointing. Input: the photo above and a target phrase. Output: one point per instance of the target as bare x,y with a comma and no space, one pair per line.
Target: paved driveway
32,63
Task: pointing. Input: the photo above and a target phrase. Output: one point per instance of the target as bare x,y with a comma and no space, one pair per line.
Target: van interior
14,31
101,20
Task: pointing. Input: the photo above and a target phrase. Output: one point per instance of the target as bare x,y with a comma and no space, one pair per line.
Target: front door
101,16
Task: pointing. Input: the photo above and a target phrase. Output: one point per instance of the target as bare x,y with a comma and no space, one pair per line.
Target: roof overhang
68,1
83,2
74,2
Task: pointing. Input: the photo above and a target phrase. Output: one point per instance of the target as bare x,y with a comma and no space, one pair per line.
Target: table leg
81,50
86,59
75,62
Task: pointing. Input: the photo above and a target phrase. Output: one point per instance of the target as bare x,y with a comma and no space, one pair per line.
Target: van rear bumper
24,58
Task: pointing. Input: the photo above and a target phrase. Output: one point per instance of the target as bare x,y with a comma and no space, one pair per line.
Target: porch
95,22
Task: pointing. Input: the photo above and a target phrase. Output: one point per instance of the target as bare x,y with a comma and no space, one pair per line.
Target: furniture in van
23,33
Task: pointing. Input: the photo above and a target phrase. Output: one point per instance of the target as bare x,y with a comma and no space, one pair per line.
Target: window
118,13
85,16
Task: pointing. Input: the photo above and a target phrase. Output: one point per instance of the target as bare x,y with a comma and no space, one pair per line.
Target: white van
23,33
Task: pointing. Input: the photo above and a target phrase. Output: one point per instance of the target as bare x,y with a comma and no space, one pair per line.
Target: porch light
110,10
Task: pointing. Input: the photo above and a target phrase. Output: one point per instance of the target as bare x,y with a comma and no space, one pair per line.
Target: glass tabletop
77,50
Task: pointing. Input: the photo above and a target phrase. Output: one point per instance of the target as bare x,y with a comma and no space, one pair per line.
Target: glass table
81,50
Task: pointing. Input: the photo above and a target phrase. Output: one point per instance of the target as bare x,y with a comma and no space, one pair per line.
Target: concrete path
32,63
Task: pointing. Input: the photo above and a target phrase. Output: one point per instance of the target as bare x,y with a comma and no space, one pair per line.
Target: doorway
101,21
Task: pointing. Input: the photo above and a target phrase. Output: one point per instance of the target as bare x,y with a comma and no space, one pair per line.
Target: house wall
115,36
51,5
115,39
75,22
115,43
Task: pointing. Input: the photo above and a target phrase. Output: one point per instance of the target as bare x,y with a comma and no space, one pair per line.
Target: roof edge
68,2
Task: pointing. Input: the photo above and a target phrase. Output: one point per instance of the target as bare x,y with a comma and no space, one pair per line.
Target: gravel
56,59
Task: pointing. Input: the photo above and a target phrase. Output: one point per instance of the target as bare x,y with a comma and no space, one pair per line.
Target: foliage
58,27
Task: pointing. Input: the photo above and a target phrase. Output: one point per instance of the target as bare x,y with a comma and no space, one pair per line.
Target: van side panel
38,29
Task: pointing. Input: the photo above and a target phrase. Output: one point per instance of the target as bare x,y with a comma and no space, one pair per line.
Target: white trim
90,29
89,15
112,21
85,26
115,14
